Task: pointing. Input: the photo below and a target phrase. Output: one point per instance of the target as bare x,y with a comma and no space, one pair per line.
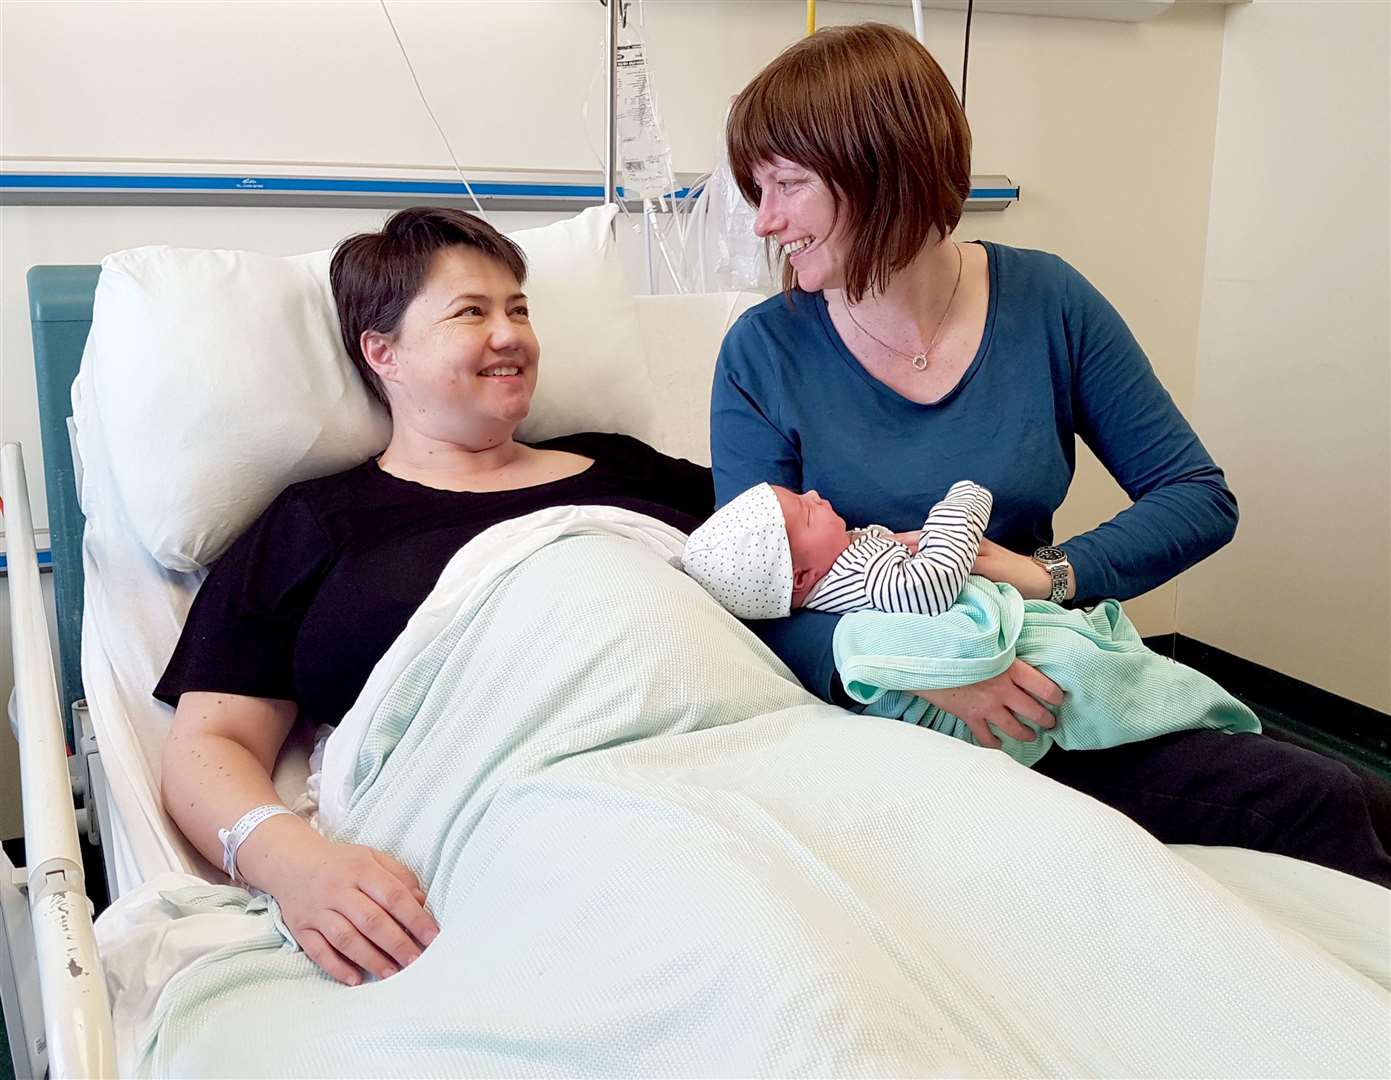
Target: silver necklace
918,359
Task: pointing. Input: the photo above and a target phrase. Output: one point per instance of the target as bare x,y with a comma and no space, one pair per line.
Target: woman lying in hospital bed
298,611
576,819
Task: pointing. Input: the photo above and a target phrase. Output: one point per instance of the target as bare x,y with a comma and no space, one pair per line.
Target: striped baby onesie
878,572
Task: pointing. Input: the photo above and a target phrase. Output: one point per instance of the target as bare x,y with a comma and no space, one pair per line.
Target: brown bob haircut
868,110
376,275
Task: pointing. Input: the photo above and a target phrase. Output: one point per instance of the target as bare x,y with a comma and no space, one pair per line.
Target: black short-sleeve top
306,602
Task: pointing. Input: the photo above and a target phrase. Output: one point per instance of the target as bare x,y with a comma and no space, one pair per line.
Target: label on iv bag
642,151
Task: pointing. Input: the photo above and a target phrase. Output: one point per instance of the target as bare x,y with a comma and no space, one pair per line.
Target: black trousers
1251,791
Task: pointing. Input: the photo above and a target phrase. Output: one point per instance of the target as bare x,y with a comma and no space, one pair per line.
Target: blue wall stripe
45,561
133,182
129,182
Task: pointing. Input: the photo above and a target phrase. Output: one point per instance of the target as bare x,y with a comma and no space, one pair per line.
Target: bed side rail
72,983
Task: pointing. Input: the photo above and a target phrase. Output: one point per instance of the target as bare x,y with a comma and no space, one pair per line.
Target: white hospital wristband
232,838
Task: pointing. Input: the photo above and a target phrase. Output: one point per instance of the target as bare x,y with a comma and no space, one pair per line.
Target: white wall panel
1294,372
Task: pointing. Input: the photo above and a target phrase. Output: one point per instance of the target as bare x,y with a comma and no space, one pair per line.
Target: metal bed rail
78,1038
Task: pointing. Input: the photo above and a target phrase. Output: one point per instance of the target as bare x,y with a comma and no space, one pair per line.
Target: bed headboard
60,315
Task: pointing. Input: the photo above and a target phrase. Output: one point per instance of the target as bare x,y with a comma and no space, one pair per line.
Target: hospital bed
120,609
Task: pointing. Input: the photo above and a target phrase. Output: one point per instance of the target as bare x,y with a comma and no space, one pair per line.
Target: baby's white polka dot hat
742,558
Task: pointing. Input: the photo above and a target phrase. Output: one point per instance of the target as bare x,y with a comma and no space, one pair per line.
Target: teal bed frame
60,315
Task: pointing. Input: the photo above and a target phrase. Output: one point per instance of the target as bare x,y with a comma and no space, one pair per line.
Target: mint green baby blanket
1117,690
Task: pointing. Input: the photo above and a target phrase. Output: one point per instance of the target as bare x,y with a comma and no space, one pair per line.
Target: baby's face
816,534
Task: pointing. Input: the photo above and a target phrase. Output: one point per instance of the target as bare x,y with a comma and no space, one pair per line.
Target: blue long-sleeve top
792,406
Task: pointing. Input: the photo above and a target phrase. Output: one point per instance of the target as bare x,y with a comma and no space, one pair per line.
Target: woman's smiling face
462,366
797,209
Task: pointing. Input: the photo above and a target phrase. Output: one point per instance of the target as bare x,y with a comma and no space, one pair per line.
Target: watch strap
1055,561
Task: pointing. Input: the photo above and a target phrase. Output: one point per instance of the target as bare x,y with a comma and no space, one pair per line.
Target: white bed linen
1348,917
476,565
145,946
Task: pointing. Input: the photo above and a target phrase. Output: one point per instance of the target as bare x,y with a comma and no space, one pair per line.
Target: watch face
1050,554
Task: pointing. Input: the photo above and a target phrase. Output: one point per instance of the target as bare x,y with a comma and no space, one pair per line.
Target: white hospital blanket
650,852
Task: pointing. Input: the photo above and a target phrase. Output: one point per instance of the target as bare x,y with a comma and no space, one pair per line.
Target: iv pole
611,101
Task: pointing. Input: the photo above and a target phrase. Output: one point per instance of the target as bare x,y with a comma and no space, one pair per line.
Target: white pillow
592,375
221,378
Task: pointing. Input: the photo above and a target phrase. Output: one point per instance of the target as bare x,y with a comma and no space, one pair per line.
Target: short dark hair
868,110
376,275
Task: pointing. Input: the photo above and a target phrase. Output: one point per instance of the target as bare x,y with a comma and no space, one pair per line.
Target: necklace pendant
919,361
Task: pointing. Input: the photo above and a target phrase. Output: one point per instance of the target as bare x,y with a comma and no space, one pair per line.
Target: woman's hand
351,908
1000,564
1015,692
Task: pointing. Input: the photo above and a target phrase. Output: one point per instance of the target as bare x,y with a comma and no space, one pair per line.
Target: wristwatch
1054,560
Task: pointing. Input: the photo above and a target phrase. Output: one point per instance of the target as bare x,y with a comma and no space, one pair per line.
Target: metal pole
77,1014
611,104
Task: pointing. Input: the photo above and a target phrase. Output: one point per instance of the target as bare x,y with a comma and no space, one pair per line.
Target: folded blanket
1117,690
651,853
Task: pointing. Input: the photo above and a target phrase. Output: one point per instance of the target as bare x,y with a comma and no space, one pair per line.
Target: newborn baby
772,550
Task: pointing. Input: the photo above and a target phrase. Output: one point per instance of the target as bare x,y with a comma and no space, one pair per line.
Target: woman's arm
1183,510
746,445
1032,580
349,907
746,448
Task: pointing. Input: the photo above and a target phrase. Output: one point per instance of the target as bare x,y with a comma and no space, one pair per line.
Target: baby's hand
912,539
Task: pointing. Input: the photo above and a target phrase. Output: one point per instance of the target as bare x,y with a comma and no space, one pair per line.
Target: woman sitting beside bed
292,619
899,361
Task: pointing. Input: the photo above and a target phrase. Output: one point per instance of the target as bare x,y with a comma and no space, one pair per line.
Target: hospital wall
1108,127
1293,389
